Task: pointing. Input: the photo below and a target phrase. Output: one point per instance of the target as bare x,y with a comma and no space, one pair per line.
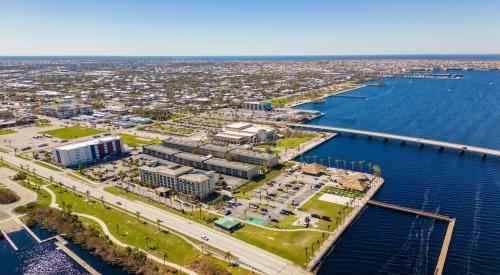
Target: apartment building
66,110
87,151
258,106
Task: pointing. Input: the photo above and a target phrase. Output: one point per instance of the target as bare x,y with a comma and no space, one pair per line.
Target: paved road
263,261
25,195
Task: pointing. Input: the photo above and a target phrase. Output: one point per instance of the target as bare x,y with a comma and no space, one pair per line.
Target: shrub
7,196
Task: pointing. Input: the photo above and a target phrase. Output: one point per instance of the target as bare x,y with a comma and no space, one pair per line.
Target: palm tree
345,164
337,162
88,195
74,189
329,161
361,162
352,165
102,201
147,240
138,214
158,221
164,256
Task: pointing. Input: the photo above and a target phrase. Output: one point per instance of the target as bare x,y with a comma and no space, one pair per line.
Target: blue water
34,258
382,241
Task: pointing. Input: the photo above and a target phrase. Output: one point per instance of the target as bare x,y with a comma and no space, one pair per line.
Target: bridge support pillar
403,142
420,145
369,137
441,149
483,156
353,135
386,140
462,152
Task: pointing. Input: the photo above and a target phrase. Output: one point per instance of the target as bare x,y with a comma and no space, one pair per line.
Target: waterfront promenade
319,255
462,148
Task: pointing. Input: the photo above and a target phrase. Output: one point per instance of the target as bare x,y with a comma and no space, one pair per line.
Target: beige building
181,179
243,132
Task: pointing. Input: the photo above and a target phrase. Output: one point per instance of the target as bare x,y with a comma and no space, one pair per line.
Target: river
382,241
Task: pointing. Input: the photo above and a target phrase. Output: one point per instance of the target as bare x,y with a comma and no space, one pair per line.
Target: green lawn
294,142
291,244
43,198
136,141
323,208
73,132
6,131
129,230
49,166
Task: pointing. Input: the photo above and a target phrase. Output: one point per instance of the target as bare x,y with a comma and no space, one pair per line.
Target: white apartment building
87,151
243,132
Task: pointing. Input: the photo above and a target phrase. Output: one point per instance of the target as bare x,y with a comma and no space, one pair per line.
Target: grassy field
6,132
291,244
294,142
73,132
135,141
48,166
203,218
129,230
43,198
323,208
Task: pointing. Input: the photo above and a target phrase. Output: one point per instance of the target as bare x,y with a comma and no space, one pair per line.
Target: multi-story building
180,179
183,145
258,106
87,151
256,158
242,132
66,111
208,162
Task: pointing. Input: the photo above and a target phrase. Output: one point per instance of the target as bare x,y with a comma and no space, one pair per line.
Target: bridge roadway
462,148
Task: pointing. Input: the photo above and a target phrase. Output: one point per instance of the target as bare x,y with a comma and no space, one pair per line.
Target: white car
205,238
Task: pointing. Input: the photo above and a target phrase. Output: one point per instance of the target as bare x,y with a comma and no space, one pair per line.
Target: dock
411,211
449,231
77,259
461,148
12,244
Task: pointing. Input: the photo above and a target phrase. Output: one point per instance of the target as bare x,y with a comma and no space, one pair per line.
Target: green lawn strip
287,244
294,142
246,190
3,150
173,129
205,217
129,230
257,236
323,208
134,233
48,166
136,141
23,156
43,198
6,131
78,177
285,223
73,132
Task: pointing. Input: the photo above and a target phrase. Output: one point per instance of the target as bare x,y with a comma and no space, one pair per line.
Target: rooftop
230,164
252,154
162,149
88,143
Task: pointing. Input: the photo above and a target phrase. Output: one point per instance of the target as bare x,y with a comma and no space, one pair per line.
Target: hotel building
87,151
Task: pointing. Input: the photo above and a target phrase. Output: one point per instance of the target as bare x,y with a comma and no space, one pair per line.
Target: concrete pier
449,231
77,259
9,240
410,210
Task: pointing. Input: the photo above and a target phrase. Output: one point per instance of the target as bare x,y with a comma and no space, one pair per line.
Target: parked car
205,238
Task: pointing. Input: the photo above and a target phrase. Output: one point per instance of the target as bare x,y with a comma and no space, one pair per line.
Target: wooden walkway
449,231
462,148
9,240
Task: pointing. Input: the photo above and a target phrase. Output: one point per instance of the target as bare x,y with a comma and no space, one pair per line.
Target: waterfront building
180,179
243,132
258,106
66,110
232,168
87,151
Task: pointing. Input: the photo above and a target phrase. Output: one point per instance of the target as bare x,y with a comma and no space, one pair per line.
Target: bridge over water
462,148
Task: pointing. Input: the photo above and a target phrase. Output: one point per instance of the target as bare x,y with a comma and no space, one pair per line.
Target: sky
248,27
